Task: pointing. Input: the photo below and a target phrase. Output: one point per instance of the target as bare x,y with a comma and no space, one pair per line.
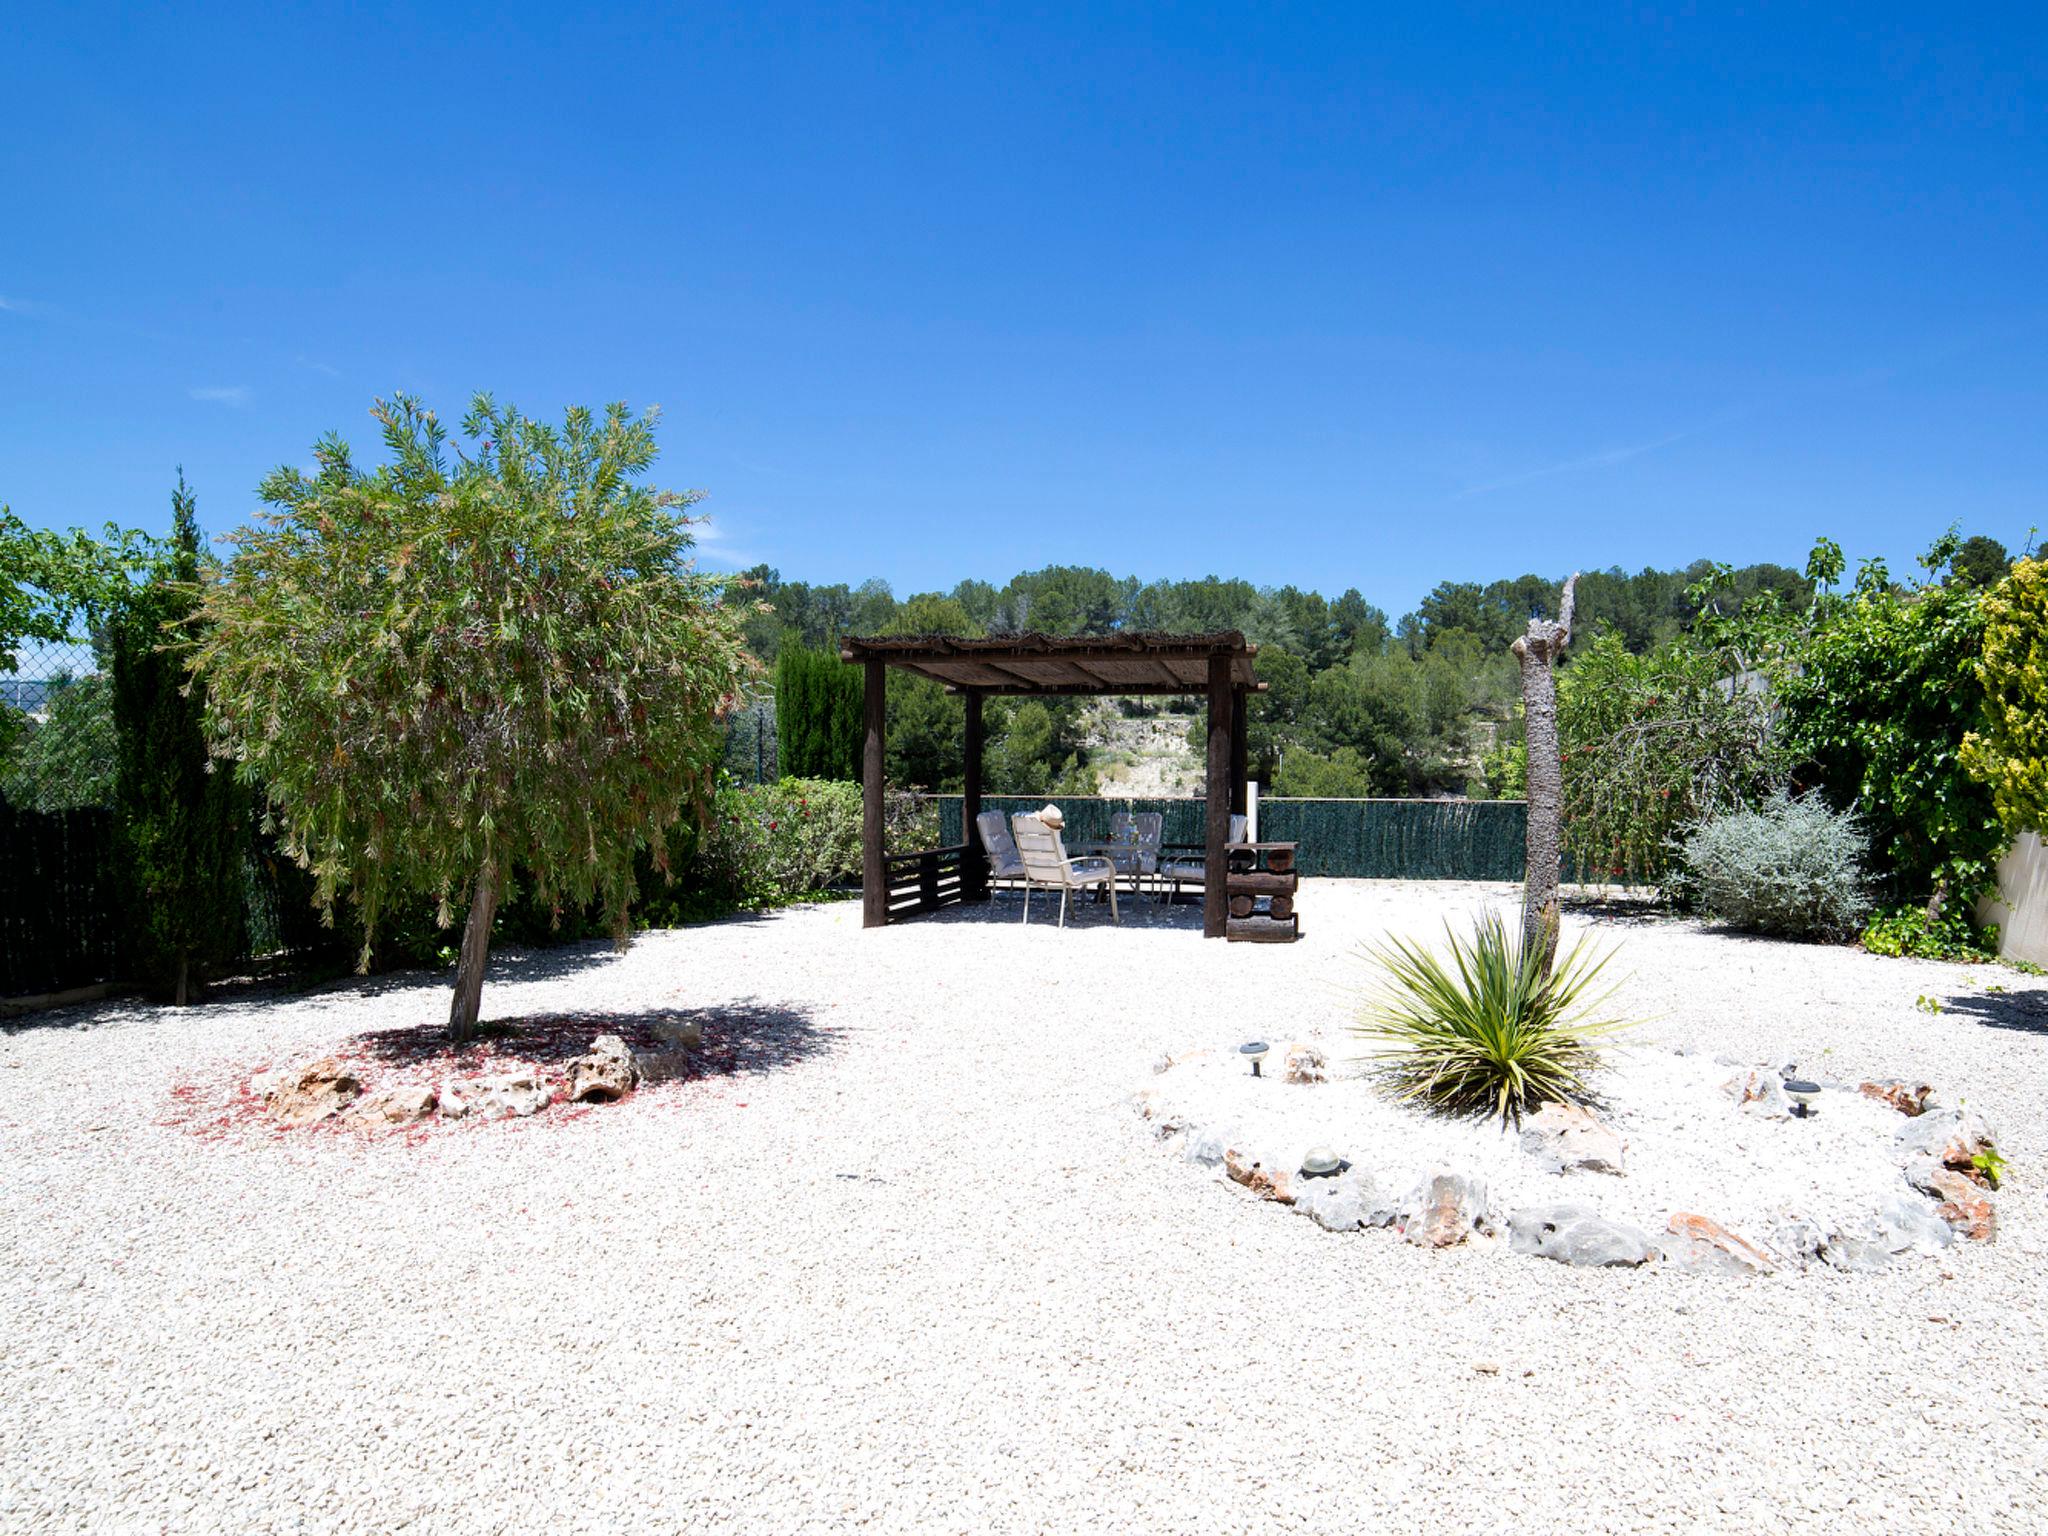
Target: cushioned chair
1046,863
1003,863
1175,873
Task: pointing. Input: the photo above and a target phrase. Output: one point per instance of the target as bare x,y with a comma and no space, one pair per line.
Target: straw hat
1052,818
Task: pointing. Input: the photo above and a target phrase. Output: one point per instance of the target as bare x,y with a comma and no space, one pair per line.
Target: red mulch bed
740,1038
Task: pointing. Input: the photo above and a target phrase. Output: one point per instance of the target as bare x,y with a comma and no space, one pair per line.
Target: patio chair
1003,863
1175,873
1046,863
1144,831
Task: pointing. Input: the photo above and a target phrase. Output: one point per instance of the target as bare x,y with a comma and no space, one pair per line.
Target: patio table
1122,853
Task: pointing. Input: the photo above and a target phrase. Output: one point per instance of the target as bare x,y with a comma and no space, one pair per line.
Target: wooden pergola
1216,665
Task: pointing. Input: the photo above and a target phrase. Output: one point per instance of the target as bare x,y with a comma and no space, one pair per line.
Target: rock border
1943,1194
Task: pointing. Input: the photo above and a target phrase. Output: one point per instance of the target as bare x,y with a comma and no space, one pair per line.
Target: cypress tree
181,827
818,707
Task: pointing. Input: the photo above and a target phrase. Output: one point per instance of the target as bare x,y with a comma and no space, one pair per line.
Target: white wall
2021,906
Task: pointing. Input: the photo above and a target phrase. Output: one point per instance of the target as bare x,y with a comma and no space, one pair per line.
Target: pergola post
974,870
874,884
1240,798
1215,893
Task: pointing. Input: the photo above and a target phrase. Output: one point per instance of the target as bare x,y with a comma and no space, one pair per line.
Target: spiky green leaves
1480,1030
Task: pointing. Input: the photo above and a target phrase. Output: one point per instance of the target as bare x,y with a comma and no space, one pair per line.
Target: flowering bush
771,843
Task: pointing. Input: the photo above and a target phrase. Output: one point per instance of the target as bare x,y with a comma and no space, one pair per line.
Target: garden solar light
1254,1052
1321,1163
1802,1092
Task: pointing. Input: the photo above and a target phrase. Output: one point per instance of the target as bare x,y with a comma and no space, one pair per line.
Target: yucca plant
1484,1031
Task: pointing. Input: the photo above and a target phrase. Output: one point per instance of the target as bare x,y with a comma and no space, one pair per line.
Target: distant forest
1358,704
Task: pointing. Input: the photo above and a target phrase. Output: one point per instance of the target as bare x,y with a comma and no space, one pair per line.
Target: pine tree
182,827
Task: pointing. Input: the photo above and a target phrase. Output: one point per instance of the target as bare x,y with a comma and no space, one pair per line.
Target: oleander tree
478,658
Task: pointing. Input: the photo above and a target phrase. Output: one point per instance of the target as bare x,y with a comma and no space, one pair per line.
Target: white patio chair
1176,873
1003,863
1046,863
1145,831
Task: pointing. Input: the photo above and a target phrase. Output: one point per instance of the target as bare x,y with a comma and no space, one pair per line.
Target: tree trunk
1546,804
476,949
1537,652
184,989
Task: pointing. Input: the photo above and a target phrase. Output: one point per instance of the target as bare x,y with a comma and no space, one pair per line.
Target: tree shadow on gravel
507,966
1616,908
745,1035
2026,1012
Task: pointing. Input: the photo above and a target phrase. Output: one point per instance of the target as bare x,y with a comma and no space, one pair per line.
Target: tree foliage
1981,561
1354,701
65,761
61,589
471,660
1878,691
182,828
1035,749
1650,745
817,715
2009,754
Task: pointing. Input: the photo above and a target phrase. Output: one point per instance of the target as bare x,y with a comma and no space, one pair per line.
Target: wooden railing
926,880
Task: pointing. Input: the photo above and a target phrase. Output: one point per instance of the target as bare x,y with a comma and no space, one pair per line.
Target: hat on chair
1052,817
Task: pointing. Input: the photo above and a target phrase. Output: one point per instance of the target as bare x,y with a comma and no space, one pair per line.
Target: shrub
1503,772
1793,868
1950,935
2009,751
767,844
1486,1033
1651,744
910,821
1878,698
1342,775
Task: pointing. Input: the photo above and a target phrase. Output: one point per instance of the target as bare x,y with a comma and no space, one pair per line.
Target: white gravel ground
906,1260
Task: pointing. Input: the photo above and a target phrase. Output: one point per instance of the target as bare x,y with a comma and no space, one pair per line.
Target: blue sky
1351,295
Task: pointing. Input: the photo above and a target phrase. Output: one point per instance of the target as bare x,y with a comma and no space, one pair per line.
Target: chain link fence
56,728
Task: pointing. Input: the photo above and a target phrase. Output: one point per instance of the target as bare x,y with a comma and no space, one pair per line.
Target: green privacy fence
1401,839
1347,839
60,916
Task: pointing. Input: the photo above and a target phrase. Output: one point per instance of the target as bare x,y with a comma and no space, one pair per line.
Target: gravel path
906,1259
